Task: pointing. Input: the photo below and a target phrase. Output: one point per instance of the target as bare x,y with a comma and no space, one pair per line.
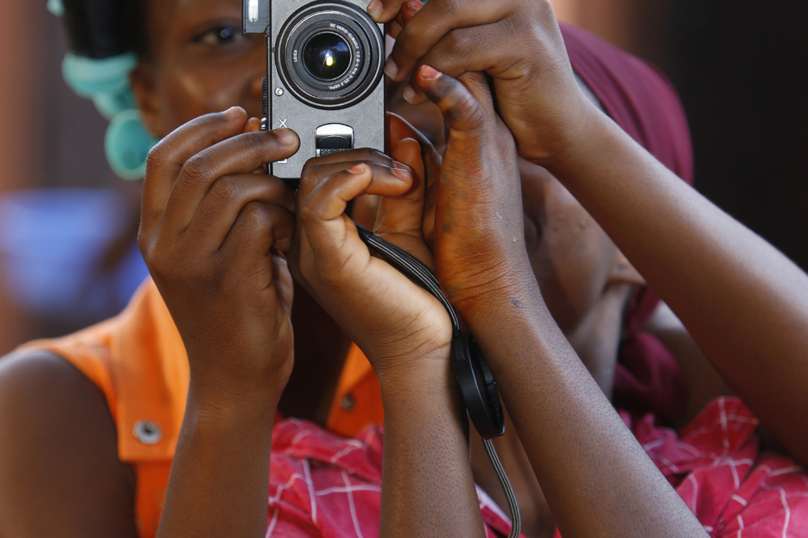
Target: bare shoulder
59,468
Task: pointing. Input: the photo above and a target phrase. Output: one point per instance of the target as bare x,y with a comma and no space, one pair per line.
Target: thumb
466,103
403,214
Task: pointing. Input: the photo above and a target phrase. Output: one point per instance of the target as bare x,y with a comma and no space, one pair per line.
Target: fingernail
408,94
429,73
234,112
286,137
401,172
357,169
391,69
375,9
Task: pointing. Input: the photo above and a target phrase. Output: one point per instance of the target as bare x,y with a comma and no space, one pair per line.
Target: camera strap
477,384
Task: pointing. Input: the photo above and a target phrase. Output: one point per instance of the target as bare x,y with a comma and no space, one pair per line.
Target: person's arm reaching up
209,226
595,476
427,486
745,303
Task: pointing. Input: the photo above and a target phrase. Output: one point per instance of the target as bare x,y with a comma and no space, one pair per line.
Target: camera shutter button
333,138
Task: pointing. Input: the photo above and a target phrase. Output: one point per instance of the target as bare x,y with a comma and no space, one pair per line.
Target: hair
100,29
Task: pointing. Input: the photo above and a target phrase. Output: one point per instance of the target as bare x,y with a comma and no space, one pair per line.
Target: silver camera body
325,62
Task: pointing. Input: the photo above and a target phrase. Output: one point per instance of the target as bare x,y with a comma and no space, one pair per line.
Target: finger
467,50
253,125
404,214
466,106
392,174
393,29
327,202
237,155
167,158
434,21
409,9
399,129
353,155
224,202
259,228
383,11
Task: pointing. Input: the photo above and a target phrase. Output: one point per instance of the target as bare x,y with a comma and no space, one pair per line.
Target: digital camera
325,62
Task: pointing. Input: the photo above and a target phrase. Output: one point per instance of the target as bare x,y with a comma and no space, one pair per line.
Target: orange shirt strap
358,400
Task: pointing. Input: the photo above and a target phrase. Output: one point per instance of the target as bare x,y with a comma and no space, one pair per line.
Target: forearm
597,479
427,485
743,301
220,476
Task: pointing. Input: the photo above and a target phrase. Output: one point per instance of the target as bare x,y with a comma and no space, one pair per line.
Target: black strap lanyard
477,384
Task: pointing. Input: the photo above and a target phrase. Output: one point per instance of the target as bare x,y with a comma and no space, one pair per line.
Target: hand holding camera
209,234
395,322
478,228
518,44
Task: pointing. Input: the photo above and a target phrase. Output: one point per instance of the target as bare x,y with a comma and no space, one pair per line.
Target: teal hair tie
56,7
127,145
106,83
111,104
89,77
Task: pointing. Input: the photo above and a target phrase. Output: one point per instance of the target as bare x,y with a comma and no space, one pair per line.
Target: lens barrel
330,54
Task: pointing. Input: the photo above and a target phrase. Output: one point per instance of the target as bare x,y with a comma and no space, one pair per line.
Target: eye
220,35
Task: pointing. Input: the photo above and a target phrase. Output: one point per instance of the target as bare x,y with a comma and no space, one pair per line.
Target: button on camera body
325,70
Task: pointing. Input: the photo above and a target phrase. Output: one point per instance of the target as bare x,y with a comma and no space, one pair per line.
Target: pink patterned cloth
325,486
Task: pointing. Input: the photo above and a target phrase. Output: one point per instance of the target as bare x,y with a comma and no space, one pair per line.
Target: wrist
420,381
592,126
234,375
218,401
513,287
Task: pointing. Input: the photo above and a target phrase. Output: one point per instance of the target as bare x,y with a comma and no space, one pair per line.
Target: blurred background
68,224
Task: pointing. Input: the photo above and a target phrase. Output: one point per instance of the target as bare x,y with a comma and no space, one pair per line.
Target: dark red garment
325,486
645,105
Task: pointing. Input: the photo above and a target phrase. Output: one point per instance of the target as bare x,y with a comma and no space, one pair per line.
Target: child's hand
209,233
479,240
395,322
517,43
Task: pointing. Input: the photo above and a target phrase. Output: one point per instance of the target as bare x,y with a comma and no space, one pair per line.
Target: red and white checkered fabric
325,486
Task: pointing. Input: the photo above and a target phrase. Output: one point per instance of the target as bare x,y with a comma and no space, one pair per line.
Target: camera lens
327,56
330,54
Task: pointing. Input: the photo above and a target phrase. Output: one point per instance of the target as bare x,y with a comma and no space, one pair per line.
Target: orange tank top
138,361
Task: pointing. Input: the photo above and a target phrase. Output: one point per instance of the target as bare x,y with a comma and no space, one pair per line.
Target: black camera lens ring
351,24
314,87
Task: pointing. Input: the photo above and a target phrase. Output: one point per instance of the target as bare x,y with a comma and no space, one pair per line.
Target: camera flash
253,11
